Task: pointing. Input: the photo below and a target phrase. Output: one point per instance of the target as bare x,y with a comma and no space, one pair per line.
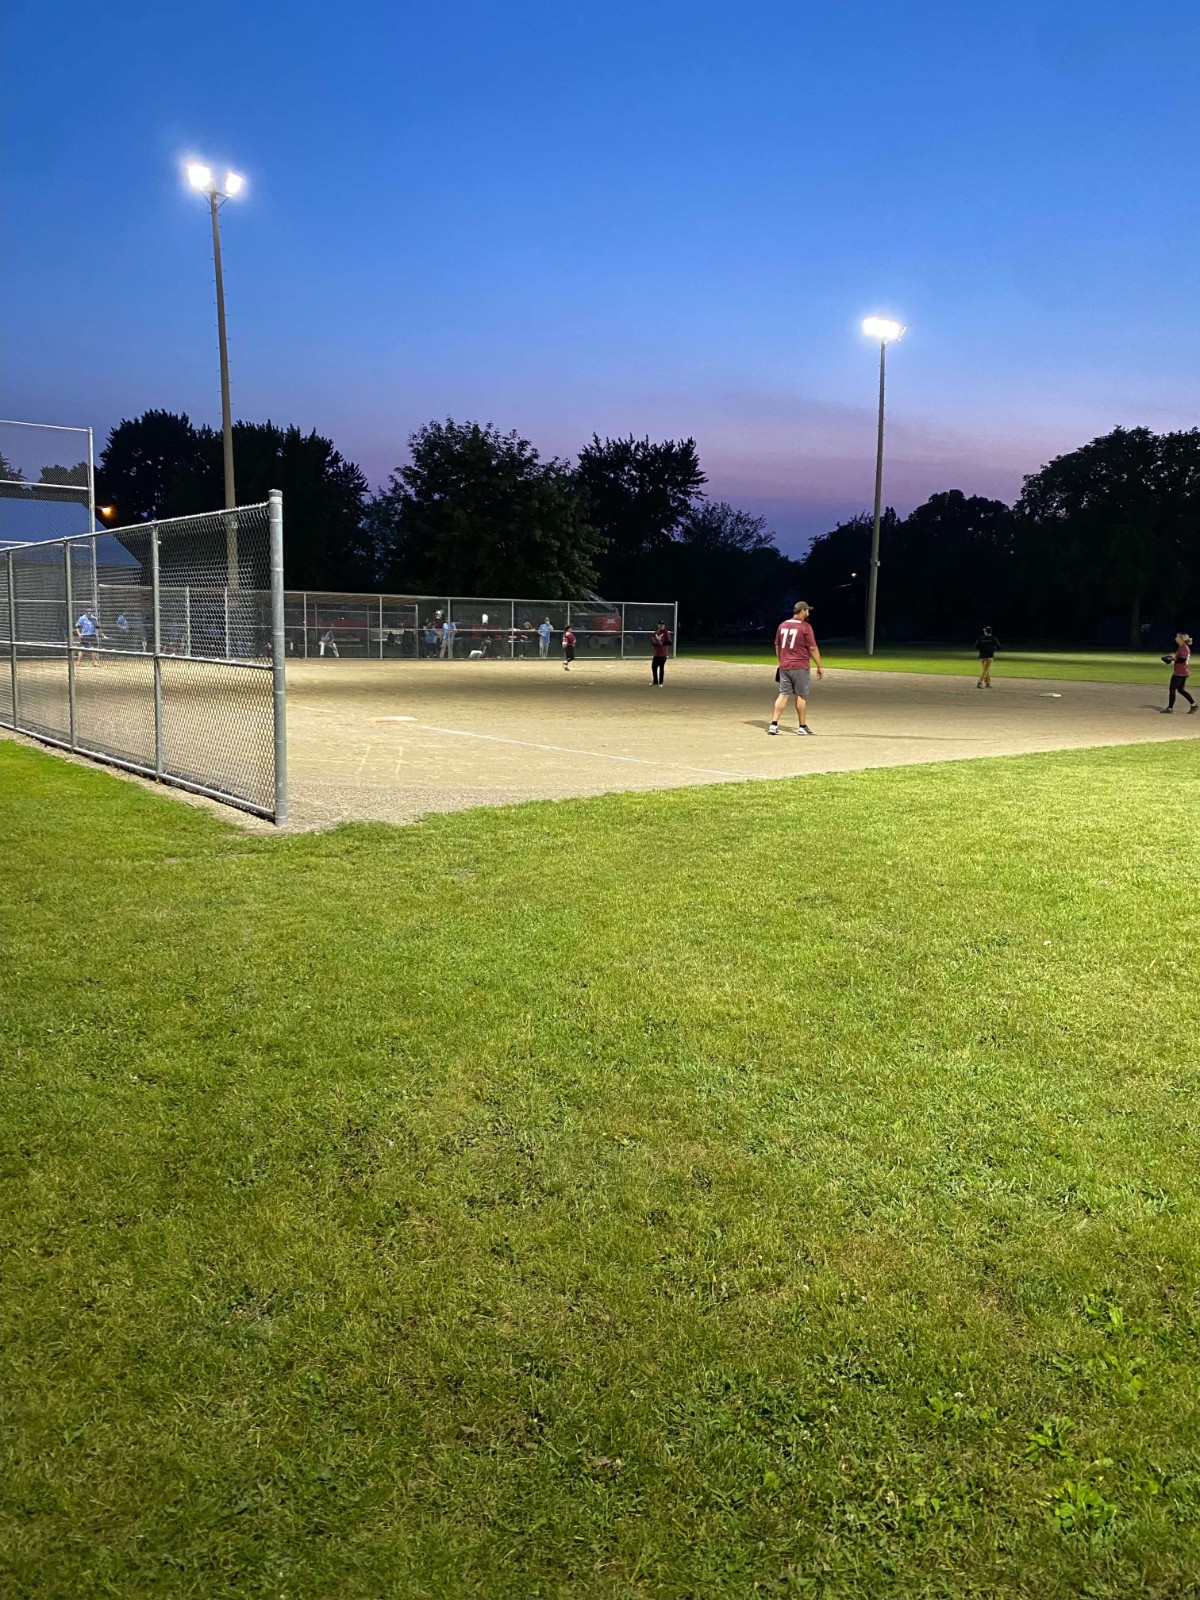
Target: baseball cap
802,605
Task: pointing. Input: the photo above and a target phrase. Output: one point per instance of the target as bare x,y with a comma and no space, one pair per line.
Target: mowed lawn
1073,666
786,1188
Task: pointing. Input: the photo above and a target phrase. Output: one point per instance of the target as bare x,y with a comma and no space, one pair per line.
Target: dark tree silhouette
141,465
637,494
1111,525
478,512
324,499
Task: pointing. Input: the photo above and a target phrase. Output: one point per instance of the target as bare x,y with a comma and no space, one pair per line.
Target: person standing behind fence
545,634
87,631
449,629
660,650
327,638
1180,665
568,647
432,634
985,648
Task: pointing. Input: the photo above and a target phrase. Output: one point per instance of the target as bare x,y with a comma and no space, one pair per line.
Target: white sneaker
774,728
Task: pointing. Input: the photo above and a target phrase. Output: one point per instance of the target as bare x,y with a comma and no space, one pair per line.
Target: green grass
764,1190
1074,666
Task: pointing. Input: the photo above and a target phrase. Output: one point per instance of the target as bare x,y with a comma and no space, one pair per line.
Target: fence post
278,666
304,612
381,627
622,630
12,639
227,656
187,619
155,601
95,586
70,652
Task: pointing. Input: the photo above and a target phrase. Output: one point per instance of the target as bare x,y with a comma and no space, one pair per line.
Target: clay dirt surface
392,741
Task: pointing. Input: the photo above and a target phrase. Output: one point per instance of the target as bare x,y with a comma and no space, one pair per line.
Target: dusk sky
665,218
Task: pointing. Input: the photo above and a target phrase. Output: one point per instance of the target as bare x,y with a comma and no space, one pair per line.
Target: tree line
1103,541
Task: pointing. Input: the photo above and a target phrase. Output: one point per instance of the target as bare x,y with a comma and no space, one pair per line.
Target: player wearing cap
796,648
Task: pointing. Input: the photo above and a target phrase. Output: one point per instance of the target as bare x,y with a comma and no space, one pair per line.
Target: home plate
393,719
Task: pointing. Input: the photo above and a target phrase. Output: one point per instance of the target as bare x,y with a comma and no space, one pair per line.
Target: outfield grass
1074,666
777,1189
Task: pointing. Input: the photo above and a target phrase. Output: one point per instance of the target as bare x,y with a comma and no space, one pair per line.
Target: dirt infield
392,741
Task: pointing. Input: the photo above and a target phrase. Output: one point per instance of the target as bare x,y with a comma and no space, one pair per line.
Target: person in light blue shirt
449,629
87,631
545,634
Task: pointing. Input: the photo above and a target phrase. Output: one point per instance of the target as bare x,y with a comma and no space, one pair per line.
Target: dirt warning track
391,741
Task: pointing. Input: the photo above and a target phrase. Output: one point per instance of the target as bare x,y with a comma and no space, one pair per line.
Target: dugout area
390,741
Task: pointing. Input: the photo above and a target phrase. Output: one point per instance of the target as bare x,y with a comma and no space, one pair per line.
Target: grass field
763,1190
1073,666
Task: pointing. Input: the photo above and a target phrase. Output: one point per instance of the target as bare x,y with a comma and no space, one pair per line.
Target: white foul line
596,755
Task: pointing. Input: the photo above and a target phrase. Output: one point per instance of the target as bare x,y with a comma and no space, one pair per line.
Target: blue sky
663,217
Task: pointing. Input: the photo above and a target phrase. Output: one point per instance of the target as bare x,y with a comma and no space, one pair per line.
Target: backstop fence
159,648
413,627
47,486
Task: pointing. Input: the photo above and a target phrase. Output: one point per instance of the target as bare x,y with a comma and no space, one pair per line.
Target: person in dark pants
660,650
568,647
1180,665
985,648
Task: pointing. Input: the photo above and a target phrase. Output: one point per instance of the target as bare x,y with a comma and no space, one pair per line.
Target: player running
568,647
796,647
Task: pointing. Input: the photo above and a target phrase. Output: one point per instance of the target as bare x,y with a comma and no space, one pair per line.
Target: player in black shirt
985,648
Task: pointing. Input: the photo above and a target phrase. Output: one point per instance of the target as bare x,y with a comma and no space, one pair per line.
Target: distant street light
885,330
202,179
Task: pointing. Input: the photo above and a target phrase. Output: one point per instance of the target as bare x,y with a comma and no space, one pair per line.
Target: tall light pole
202,179
885,331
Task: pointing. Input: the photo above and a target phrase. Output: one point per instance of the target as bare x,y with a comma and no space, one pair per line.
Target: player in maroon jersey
796,647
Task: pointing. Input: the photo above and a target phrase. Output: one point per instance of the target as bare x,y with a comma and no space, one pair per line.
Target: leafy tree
9,471
637,494
833,573
325,545
478,512
724,569
72,481
143,462
1115,523
949,567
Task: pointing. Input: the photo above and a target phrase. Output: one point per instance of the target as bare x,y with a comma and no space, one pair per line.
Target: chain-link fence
421,627
46,488
158,647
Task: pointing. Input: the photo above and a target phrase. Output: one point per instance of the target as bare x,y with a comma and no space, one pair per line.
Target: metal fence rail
159,648
412,627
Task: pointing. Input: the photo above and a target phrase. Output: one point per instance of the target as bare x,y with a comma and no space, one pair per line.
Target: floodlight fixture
199,176
882,328
234,183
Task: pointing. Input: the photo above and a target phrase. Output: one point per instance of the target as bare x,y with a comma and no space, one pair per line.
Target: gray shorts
795,680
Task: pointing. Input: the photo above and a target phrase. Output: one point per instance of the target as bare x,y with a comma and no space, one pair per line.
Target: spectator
327,639
545,634
449,629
